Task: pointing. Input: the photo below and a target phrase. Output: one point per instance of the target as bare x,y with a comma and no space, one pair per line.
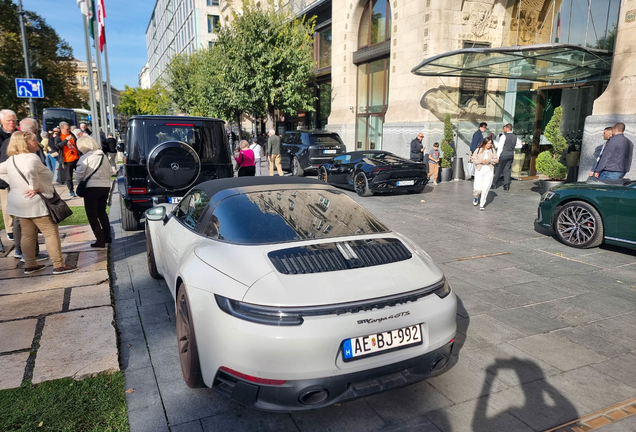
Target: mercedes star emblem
174,166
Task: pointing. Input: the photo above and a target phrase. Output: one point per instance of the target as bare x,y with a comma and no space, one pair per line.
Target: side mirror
156,213
120,147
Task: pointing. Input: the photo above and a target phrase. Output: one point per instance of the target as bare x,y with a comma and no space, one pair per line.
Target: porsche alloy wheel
150,257
186,341
362,185
322,174
579,225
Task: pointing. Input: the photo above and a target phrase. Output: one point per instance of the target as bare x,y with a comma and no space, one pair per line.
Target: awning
553,63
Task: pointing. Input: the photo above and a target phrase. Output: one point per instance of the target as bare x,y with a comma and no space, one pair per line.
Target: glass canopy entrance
551,63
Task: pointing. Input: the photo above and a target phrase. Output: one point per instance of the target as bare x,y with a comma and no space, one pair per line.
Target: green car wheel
579,225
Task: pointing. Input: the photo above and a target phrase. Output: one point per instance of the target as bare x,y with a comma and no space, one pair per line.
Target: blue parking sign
29,88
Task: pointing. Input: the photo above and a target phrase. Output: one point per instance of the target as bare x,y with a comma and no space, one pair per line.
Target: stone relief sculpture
525,23
479,16
442,101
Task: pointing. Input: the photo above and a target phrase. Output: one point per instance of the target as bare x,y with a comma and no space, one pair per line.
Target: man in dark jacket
616,160
417,149
273,153
478,137
110,148
508,142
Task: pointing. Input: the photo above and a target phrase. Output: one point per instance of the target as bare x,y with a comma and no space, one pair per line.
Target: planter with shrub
549,162
447,150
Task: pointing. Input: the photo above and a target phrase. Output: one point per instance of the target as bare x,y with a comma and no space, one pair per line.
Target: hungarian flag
100,14
86,6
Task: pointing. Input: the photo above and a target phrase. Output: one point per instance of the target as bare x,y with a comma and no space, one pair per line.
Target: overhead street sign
29,88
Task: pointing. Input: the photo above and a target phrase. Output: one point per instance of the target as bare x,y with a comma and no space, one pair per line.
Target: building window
322,48
213,23
210,44
375,25
213,2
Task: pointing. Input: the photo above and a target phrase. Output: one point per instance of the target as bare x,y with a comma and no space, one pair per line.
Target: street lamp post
27,62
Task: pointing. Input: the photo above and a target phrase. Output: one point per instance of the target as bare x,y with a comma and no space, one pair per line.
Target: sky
126,22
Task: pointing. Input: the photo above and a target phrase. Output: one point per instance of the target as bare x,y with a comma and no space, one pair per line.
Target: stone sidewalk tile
76,233
590,389
409,402
477,415
194,426
353,416
90,296
604,341
92,261
183,404
527,321
79,246
12,370
249,420
491,330
17,335
511,364
558,351
134,355
8,263
621,368
465,381
538,404
77,344
43,283
505,299
562,310
538,291
33,304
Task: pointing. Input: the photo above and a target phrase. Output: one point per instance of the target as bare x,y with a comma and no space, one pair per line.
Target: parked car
584,215
306,150
372,171
164,156
290,296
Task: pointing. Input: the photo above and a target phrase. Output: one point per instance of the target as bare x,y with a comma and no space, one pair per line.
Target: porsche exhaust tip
313,397
439,363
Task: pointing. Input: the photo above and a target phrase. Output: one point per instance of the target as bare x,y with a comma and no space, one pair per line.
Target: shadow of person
543,405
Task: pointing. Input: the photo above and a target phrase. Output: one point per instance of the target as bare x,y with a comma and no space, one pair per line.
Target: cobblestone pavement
56,326
547,333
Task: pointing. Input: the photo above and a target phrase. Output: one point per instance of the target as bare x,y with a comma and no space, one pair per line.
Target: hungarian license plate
174,200
328,152
406,183
359,347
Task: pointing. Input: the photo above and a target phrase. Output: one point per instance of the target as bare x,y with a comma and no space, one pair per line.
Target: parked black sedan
371,171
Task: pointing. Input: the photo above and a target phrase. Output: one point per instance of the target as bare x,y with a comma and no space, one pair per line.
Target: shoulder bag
81,187
58,209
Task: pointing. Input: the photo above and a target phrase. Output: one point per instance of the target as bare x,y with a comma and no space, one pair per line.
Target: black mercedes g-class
164,156
306,150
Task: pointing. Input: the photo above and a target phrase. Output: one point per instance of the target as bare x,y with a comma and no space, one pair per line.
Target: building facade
178,26
81,75
144,77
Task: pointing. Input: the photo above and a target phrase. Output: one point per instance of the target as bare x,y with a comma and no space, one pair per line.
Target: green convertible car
583,215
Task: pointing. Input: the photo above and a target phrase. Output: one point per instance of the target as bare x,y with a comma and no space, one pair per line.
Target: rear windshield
208,139
324,140
290,215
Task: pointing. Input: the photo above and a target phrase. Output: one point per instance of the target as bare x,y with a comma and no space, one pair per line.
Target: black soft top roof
212,187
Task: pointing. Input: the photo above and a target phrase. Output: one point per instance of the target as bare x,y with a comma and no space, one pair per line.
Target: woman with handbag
245,160
484,158
31,184
93,174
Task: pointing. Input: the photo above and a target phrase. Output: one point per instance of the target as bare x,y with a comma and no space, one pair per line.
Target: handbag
81,187
58,209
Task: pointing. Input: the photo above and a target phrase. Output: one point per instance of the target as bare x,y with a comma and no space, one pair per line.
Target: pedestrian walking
110,149
258,153
9,123
484,157
417,149
28,178
85,129
245,160
616,160
273,153
508,142
607,134
68,156
94,166
49,159
433,162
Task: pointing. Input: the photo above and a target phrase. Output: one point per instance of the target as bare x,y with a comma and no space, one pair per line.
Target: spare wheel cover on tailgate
174,165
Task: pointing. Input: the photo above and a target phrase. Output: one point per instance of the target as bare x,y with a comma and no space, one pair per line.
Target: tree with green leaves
52,62
138,101
261,61
446,148
549,161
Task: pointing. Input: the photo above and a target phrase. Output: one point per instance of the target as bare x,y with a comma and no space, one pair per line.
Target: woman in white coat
484,158
94,166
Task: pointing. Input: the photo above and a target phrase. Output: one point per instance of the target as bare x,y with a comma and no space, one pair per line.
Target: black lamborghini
374,171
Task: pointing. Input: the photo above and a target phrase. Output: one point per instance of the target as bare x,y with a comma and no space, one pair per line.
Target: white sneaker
435,183
475,201
481,208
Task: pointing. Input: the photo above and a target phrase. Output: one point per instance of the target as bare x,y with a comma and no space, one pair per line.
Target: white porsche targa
290,295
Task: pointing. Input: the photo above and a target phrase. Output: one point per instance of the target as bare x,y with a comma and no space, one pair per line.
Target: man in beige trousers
273,153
